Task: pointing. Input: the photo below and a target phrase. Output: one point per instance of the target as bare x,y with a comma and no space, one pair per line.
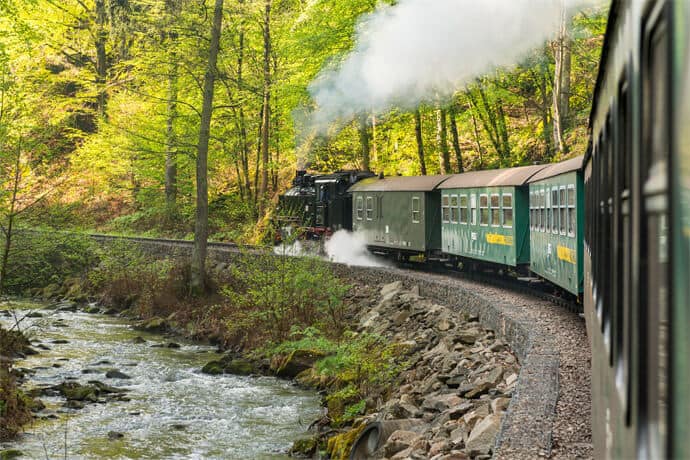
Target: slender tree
198,266
420,143
452,112
266,111
443,140
561,83
364,139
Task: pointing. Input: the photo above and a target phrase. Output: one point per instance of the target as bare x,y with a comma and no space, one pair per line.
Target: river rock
228,365
115,374
155,324
34,314
113,435
138,339
9,454
294,363
304,447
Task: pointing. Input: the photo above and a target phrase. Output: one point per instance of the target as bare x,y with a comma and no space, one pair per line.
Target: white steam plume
424,49
350,248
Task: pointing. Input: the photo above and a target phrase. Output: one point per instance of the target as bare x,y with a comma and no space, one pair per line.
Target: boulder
398,441
482,437
9,454
155,324
115,374
441,403
298,361
499,405
228,365
304,447
391,290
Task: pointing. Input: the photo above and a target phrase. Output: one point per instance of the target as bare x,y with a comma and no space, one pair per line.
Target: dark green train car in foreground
399,215
485,216
556,199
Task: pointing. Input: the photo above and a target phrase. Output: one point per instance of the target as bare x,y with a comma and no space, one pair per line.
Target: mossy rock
10,454
213,368
339,446
154,324
235,366
50,291
296,362
304,447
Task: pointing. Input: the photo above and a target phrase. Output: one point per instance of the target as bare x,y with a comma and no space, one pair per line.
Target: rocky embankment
458,382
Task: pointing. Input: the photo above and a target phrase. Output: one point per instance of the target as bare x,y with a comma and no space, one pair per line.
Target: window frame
473,209
368,209
542,210
466,208
503,209
418,211
562,210
555,213
445,209
454,208
571,211
359,208
496,208
486,206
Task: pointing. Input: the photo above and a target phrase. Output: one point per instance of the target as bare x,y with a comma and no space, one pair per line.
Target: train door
655,251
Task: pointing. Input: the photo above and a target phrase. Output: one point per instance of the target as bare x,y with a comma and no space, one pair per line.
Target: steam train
611,229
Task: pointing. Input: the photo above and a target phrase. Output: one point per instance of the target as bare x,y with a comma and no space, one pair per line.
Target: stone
403,454
34,314
495,375
213,368
480,388
511,379
400,317
497,346
155,324
455,455
138,339
499,405
114,435
482,436
59,341
398,441
115,374
294,363
172,345
391,290
459,435
74,404
467,337
441,403
304,447
471,418
439,447
458,411
9,454
444,324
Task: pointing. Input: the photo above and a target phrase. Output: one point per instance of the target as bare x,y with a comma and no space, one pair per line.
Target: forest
117,115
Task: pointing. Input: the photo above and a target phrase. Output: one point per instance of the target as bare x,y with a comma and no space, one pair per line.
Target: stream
174,411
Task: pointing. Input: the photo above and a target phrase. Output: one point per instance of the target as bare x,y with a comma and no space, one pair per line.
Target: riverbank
108,390
397,357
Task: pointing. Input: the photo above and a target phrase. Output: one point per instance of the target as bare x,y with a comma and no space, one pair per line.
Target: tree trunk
8,228
443,139
503,134
546,119
456,140
561,84
266,115
101,36
418,136
198,269
171,147
363,128
480,149
244,145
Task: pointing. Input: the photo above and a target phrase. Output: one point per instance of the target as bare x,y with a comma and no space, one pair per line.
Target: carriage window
416,209
370,208
483,210
531,210
445,212
495,210
508,210
360,208
562,207
454,209
549,214
473,209
542,212
554,210
571,210
463,209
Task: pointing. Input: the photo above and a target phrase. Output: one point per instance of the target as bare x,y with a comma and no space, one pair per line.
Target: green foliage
38,259
126,275
274,294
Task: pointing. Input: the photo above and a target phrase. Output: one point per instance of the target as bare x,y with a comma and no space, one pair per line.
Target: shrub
271,295
37,259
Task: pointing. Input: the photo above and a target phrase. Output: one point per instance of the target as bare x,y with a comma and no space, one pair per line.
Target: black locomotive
317,205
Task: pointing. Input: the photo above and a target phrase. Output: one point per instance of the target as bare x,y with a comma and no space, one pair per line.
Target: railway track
500,280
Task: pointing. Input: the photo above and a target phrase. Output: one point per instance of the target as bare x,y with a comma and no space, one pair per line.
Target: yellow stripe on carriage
567,254
495,238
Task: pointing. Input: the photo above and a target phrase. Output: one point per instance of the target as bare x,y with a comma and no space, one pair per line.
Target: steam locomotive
611,229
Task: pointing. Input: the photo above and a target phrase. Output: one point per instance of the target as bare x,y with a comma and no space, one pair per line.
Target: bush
125,275
271,295
37,259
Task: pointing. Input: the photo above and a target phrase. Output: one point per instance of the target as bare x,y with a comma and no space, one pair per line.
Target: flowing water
174,410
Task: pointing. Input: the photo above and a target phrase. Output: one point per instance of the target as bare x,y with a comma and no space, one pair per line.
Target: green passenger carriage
556,199
485,216
399,216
